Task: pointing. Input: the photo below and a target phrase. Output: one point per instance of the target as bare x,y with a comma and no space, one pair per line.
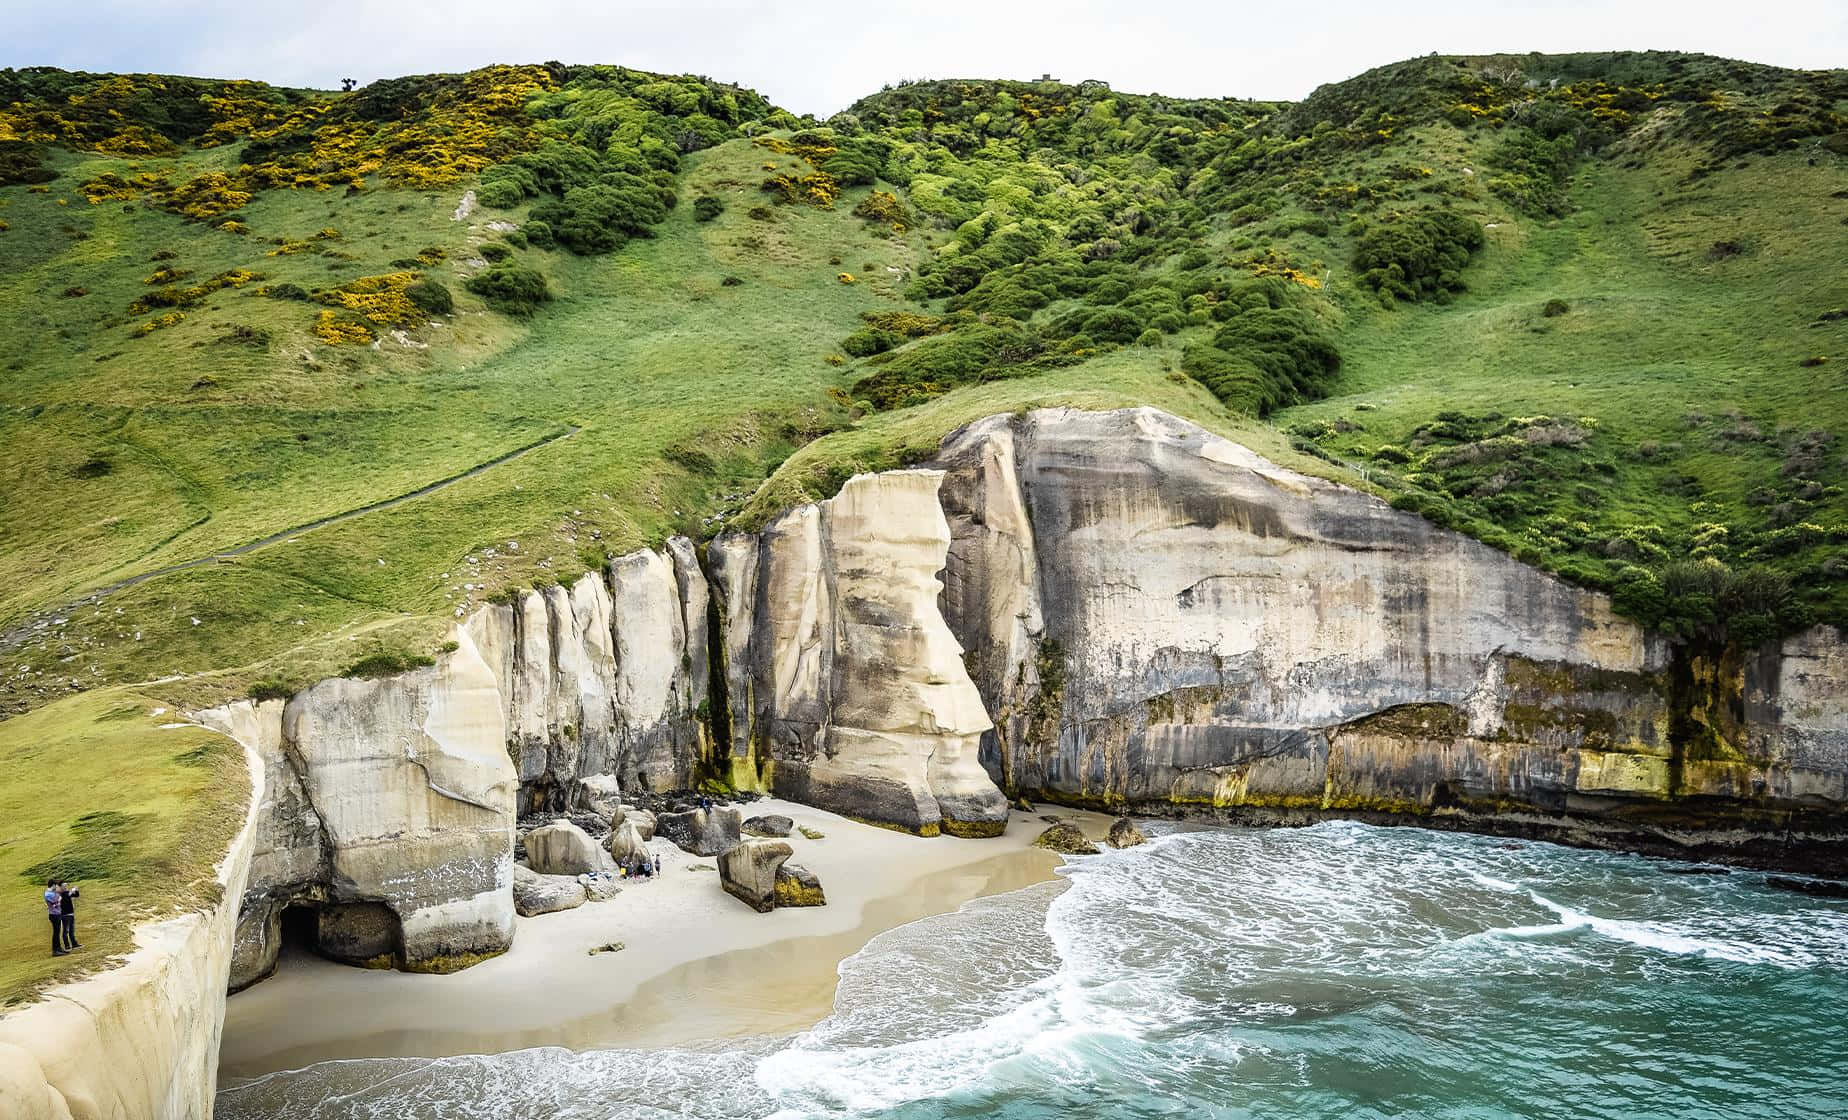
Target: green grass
134,814
1124,378
646,350
1671,356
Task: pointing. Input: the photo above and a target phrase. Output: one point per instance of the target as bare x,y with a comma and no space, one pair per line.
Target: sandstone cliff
1159,618
842,678
1114,609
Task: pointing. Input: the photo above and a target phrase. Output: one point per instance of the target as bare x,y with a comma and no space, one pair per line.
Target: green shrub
868,341
602,218
1417,256
510,288
271,688
384,663
495,253
976,352
538,234
706,208
499,194
1150,337
1555,308
432,296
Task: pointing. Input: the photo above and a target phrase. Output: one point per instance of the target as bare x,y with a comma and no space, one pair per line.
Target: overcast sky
817,56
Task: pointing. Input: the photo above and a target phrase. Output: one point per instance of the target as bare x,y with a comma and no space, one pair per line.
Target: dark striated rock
748,871
798,886
702,832
1125,834
1064,837
1816,888
769,825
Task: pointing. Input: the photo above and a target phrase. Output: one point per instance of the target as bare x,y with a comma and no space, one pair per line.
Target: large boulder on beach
561,848
771,824
534,893
625,845
1065,838
798,886
748,872
1125,834
703,832
642,819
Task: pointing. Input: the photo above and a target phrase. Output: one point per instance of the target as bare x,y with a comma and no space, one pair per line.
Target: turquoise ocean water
1335,971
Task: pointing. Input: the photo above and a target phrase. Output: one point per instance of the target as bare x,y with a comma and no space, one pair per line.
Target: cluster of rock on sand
565,866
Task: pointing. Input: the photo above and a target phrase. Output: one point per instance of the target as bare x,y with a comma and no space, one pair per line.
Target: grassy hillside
297,378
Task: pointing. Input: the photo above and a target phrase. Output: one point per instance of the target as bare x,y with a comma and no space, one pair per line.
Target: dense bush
1267,354
868,341
602,218
706,208
975,352
510,288
432,296
494,253
539,234
1420,255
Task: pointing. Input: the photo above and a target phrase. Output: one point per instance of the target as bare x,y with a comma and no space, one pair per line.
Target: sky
818,56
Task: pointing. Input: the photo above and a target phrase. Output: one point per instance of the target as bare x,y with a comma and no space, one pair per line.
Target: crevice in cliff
717,716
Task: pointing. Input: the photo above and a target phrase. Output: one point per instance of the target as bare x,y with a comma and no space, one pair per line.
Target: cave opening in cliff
300,928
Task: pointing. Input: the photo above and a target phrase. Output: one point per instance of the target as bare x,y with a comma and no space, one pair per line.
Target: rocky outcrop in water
1159,618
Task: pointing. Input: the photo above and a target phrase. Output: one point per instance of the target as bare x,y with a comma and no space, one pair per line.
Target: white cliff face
1158,616
848,681
140,1041
392,802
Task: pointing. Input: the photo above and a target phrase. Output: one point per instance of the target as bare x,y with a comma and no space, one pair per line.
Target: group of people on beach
61,908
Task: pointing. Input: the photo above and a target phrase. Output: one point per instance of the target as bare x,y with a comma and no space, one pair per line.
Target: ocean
1334,971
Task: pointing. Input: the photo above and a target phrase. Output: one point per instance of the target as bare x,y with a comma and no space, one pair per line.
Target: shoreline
698,965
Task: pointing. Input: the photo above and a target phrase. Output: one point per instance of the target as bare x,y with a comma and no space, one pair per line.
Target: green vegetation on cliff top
132,805
1587,308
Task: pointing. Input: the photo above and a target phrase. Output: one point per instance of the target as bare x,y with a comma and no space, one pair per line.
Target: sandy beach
697,964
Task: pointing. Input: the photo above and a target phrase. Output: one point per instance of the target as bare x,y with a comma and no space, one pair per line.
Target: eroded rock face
748,871
702,832
1157,617
395,792
849,685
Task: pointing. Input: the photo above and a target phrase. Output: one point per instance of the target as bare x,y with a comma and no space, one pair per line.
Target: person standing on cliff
54,909
67,900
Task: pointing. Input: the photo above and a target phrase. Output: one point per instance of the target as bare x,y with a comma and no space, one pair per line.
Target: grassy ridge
134,813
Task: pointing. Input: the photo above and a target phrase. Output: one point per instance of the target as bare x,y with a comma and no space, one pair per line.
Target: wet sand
697,963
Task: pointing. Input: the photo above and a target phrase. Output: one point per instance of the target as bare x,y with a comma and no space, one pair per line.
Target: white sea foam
1330,971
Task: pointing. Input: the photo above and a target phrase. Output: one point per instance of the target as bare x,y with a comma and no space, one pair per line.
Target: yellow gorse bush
380,300
336,330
